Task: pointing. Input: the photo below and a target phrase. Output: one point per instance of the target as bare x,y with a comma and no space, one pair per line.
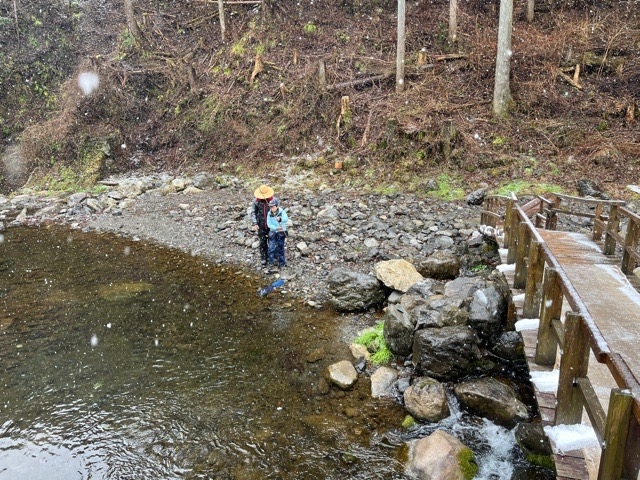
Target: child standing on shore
258,212
277,222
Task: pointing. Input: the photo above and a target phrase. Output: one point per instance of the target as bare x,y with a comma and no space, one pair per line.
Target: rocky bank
207,216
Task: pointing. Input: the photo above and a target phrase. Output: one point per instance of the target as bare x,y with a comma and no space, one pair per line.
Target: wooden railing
546,287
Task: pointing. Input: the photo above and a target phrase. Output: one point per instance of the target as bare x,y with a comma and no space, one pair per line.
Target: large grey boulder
532,439
492,399
204,180
476,197
488,311
509,345
426,400
398,330
463,287
425,288
440,265
353,291
446,353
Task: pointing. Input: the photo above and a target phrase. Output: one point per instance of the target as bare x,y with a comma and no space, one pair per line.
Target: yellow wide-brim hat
263,192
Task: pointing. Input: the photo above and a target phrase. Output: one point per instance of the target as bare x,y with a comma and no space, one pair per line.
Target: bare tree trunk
502,90
129,11
400,47
453,21
15,14
223,27
531,4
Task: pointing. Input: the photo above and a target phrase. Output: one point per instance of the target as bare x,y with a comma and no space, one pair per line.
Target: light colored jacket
273,223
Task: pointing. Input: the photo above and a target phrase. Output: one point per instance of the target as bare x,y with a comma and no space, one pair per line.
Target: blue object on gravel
270,288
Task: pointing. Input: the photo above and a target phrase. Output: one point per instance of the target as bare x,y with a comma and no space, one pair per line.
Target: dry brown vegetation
180,98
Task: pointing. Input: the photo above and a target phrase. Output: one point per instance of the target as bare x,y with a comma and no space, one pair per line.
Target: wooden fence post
550,310
520,276
507,222
532,292
615,436
630,243
597,223
573,364
612,228
513,237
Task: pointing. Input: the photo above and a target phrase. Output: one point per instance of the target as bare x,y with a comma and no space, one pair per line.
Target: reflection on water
123,360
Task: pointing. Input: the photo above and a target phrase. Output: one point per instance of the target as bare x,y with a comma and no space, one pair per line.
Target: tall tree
453,21
502,91
131,19
531,6
400,47
223,27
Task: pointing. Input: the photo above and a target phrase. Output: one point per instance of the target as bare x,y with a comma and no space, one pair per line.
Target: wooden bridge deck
614,304
612,301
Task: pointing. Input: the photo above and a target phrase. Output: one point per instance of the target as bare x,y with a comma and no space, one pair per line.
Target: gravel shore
328,227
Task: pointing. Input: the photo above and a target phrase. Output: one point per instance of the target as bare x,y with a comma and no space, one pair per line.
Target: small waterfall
495,449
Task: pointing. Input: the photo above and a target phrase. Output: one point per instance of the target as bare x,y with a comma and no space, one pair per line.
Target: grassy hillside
180,98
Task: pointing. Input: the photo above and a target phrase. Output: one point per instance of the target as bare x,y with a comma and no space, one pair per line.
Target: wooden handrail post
630,244
615,436
613,224
513,236
573,364
507,223
597,223
550,309
532,292
524,239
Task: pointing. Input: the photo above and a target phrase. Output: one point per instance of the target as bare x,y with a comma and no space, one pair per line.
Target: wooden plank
593,407
571,467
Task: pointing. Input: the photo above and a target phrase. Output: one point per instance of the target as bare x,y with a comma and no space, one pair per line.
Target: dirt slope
180,98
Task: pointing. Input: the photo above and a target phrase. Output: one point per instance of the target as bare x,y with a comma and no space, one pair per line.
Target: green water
120,360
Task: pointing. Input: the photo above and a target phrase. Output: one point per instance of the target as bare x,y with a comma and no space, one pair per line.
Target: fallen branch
450,56
569,80
361,82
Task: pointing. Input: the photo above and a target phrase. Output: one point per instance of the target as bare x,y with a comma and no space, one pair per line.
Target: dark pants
276,247
263,237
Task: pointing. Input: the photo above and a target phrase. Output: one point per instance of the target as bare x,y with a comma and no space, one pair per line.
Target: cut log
322,75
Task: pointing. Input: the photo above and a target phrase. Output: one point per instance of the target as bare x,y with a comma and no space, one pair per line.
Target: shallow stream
121,360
